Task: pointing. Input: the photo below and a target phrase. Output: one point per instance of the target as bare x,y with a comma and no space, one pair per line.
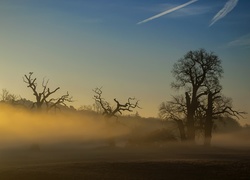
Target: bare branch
131,104
230,111
54,103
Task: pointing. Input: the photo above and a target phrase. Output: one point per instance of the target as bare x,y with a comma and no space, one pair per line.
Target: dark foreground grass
133,170
127,164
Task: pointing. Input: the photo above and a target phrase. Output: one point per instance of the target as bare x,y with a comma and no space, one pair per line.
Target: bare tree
7,97
108,111
43,96
213,105
175,110
216,106
197,70
97,107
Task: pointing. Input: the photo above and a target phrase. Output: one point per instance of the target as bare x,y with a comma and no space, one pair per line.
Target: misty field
76,146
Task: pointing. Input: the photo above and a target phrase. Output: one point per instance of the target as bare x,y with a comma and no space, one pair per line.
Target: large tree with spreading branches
198,73
194,72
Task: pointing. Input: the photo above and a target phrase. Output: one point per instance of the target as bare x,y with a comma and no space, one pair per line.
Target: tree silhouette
7,97
199,73
212,106
196,71
43,97
216,106
108,111
175,110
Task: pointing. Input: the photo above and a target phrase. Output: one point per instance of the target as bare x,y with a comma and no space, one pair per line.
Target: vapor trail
229,6
167,12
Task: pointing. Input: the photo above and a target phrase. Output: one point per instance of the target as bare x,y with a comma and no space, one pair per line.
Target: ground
170,162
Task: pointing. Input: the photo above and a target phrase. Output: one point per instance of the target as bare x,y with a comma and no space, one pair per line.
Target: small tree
176,111
108,111
43,97
7,97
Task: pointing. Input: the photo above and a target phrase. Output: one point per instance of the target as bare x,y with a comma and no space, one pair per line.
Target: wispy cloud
229,6
241,41
167,12
191,11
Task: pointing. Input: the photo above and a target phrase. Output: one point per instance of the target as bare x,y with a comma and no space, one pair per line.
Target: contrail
166,12
243,41
229,6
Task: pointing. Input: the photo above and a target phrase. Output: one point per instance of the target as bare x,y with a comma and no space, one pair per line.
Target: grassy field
173,162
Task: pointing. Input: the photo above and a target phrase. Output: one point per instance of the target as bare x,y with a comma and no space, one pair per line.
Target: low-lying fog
21,128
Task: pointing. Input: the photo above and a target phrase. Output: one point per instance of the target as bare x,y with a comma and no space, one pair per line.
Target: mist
239,139
20,126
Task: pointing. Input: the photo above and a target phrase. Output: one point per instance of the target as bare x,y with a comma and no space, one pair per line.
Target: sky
126,47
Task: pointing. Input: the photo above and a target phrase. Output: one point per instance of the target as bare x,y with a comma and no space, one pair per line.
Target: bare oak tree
212,106
197,70
198,73
42,98
109,111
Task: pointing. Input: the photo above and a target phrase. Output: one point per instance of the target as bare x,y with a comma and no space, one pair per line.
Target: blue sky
83,44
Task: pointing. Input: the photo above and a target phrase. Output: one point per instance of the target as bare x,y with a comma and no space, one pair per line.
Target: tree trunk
208,133
190,118
190,128
181,130
209,120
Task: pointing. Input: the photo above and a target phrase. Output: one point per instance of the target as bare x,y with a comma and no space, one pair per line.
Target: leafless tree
7,97
108,111
97,107
198,73
215,106
212,106
43,96
175,110
197,70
